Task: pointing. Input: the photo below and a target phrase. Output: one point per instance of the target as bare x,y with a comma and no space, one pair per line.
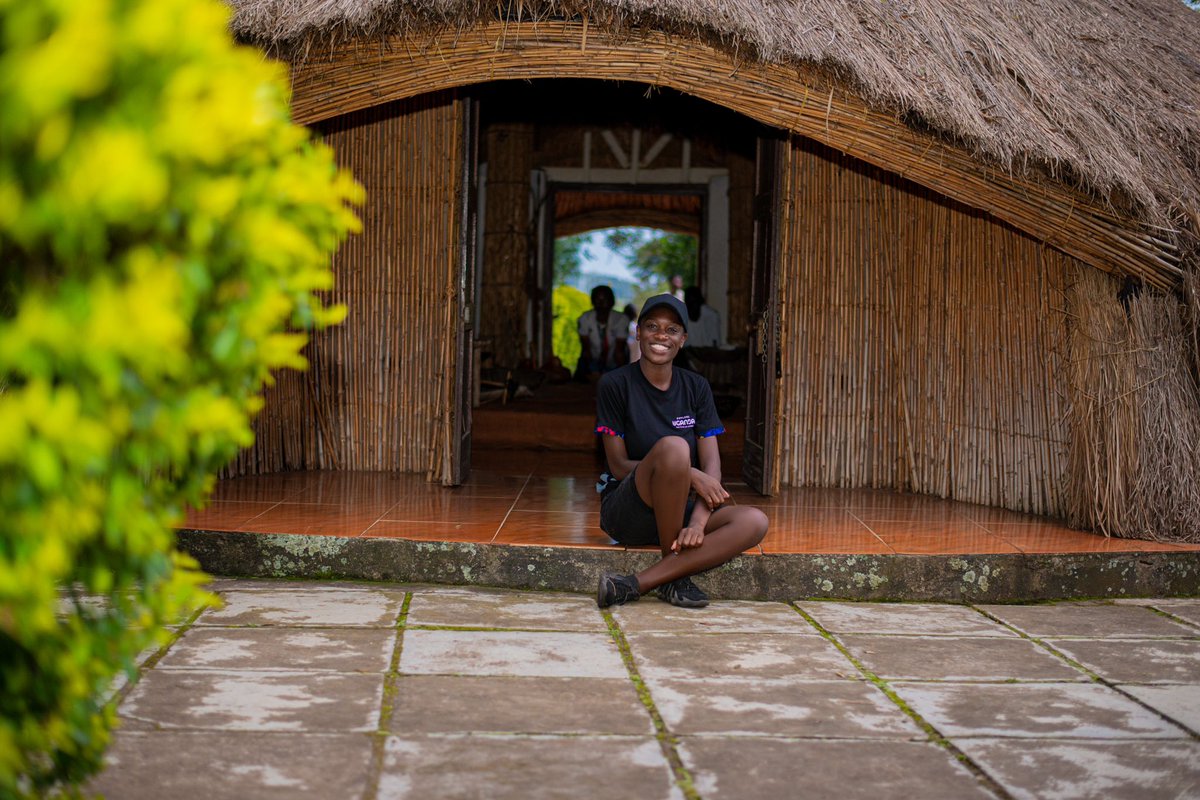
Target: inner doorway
568,157
627,264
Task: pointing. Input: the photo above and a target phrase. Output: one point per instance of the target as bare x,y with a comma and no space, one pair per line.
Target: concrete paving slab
234,766
527,610
524,767
93,604
730,616
254,701
439,704
324,649
924,619
122,678
822,709
740,657
357,606
957,658
770,769
1089,620
1038,710
1180,703
1034,769
1187,610
516,653
219,584
1125,661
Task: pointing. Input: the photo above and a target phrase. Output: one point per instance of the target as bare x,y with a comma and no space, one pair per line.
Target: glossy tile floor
549,499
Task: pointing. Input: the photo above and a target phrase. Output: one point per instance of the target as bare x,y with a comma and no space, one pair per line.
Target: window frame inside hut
619,218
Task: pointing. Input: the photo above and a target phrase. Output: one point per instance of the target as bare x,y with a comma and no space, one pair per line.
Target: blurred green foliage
165,233
569,254
568,304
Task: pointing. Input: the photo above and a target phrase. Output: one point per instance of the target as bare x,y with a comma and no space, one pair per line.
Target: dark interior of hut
567,157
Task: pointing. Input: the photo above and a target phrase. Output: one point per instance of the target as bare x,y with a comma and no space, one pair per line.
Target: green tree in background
569,303
165,233
654,255
569,254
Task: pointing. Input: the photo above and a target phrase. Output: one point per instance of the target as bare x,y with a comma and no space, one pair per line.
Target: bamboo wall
504,292
378,391
922,342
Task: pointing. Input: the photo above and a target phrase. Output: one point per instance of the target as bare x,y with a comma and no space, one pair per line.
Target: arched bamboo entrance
358,75
1024,476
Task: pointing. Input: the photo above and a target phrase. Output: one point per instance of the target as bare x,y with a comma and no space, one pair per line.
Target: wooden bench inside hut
953,329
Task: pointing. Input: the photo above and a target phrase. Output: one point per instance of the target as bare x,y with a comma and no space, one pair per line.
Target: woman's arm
619,462
707,481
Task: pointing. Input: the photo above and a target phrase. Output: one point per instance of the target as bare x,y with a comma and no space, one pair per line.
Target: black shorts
625,516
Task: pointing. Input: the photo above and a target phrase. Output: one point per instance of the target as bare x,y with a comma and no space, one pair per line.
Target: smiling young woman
662,483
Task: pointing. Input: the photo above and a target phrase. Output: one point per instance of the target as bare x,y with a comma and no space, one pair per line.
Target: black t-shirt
629,406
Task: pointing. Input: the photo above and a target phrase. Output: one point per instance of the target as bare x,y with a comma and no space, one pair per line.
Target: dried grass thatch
1134,467
1104,96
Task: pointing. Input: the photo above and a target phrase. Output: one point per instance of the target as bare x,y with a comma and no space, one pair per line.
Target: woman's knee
673,450
755,522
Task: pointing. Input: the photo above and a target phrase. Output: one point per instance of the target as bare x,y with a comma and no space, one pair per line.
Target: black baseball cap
670,301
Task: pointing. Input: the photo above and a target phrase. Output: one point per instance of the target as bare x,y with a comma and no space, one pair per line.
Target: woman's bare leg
730,530
663,481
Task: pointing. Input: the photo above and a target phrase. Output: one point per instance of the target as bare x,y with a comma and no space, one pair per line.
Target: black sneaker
683,593
615,590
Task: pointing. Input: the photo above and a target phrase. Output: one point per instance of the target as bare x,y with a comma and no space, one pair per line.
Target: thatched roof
1101,95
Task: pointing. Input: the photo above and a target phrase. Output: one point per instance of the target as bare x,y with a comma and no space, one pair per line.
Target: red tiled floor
554,528
226,515
548,498
942,512
985,515
265,488
804,497
828,520
448,508
1056,538
555,501
318,519
929,537
944,543
479,532
791,540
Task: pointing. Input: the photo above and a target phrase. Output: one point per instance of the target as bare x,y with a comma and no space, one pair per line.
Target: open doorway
573,166
622,266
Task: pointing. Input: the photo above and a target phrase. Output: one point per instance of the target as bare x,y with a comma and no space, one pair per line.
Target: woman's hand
708,489
691,536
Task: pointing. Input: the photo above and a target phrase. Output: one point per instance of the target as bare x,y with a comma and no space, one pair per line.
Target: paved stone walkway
344,690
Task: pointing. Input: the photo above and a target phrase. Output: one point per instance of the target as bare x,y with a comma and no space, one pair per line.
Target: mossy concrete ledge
995,578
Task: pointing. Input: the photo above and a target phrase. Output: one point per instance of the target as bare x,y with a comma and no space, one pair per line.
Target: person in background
602,336
704,323
677,286
631,339
662,478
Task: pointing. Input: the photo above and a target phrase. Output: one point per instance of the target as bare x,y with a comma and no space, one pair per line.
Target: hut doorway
568,156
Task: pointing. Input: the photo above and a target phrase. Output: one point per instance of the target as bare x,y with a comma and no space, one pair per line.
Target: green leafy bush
568,304
164,233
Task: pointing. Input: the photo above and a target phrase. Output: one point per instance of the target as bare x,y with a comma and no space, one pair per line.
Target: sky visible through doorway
601,265
604,261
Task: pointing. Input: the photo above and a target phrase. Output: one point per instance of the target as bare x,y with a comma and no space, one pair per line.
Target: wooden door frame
760,450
